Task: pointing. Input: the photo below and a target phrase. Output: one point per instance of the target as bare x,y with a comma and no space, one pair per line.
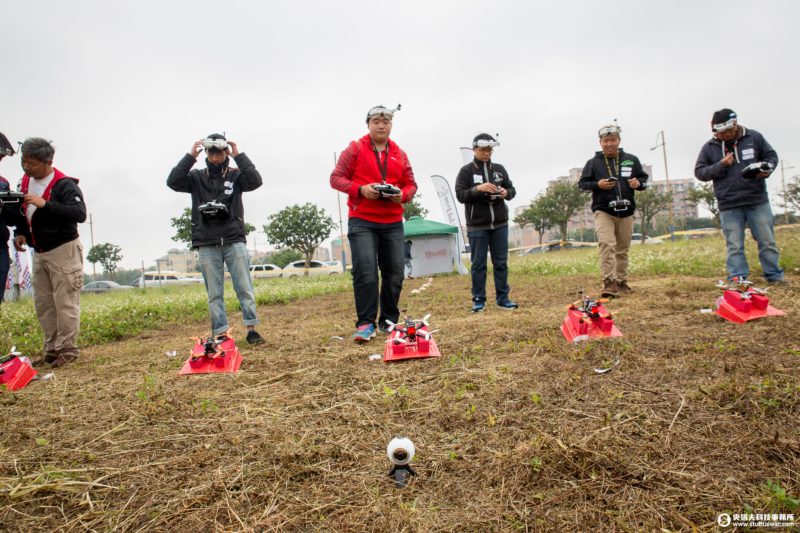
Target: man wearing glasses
737,161
483,187
376,176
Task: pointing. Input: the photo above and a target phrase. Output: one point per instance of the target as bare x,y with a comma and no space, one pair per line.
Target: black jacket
227,189
8,215
731,188
481,209
596,169
57,222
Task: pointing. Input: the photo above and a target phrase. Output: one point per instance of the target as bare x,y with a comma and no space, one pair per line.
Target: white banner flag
450,212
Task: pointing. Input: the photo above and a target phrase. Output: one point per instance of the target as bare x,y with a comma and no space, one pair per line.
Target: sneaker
62,360
364,333
253,337
778,282
623,286
610,289
478,306
508,304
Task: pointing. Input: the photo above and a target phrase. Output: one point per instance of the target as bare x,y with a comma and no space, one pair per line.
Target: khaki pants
614,239
57,282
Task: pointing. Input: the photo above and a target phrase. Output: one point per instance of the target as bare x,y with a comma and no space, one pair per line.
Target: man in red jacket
377,178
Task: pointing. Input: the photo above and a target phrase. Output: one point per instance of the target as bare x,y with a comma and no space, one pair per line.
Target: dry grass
514,429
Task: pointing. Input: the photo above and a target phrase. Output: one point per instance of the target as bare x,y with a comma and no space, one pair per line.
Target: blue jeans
376,246
480,243
211,264
4,268
759,219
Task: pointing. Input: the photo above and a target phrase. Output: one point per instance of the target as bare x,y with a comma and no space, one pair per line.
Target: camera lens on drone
400,455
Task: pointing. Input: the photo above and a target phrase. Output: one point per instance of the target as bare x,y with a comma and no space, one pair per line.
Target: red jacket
358,166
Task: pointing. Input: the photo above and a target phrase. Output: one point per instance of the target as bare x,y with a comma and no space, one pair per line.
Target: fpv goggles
724,126
382,111
218,144
483,143
611,129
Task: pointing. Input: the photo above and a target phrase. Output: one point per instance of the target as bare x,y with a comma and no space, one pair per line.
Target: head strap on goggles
611,129
382,111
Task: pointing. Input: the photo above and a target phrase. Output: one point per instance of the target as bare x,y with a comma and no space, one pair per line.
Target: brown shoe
62,360
44,361
623,286
610,289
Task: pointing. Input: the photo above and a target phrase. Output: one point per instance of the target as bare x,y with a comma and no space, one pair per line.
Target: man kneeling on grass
218,225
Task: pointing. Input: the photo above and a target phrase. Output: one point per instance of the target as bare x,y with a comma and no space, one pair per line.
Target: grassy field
514,429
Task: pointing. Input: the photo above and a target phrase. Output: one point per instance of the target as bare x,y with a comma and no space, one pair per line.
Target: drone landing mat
16,373
228,363
573,335
409,351
728,312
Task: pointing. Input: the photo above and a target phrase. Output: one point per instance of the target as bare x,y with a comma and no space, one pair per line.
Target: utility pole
341,226
663,145
91,239
783,186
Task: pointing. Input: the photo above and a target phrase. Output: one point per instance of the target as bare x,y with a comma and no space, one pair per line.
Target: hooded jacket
482,210
358,166
731,188
8,216
596,169
57,222
225,187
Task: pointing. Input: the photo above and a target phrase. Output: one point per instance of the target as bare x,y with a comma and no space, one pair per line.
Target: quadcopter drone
588,318
215,354
410,339
741,302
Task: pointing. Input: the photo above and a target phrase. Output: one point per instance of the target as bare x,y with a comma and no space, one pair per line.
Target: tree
566,200
649,203
538,215
414,209
791,200
106,254
299,227
183,227
704,195
285,256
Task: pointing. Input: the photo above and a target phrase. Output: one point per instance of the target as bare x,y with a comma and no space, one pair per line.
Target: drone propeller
14,351
391,327
399,340
425,334
425,319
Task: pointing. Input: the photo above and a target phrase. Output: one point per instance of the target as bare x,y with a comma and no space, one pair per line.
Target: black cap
216,136
722,116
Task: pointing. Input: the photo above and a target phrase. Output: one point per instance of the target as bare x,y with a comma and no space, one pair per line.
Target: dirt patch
514,429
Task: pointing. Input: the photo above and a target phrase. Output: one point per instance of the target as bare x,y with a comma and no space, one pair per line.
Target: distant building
681,208
180,260
336,251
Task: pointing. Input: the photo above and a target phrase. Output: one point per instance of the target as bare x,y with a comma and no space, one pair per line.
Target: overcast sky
124,89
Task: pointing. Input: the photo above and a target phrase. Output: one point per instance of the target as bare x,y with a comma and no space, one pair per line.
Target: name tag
626,172
748,153
477,178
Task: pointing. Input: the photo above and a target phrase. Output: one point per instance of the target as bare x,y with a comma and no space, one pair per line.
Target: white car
315,268
636,238
165,277
267,270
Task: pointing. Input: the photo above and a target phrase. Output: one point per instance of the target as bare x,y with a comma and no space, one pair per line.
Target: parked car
315,268
636,238
165,277
554,246
103,286
267,270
